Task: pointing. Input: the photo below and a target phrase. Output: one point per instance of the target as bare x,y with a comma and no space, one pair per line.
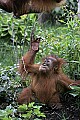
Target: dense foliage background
62,39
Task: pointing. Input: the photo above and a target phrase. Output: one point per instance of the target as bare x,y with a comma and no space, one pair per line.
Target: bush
22,112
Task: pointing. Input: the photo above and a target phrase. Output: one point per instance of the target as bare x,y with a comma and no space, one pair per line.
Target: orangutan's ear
61,62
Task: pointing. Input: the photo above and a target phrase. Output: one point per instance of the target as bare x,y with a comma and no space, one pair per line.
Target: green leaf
31,105
75,88
28,115
22,107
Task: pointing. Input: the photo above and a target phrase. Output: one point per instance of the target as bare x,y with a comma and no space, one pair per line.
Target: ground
70,109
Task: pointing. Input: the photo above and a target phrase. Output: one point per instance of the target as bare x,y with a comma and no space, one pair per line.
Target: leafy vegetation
75,90
62,40
23,112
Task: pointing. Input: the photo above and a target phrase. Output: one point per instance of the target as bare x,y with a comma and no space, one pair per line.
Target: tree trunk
45,18
78,8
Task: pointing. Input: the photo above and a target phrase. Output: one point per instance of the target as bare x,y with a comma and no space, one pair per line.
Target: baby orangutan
20,7
48,80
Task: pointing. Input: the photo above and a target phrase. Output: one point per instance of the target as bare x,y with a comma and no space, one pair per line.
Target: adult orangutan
48,80
20,7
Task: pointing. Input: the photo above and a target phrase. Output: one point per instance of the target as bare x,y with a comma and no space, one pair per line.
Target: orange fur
45,5
20,7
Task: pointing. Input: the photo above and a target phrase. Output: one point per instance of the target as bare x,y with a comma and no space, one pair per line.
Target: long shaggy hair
20,7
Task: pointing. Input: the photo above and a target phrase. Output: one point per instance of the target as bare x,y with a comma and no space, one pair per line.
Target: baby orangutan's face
47,64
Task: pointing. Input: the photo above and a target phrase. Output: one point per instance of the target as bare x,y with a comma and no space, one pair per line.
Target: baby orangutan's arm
27,62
